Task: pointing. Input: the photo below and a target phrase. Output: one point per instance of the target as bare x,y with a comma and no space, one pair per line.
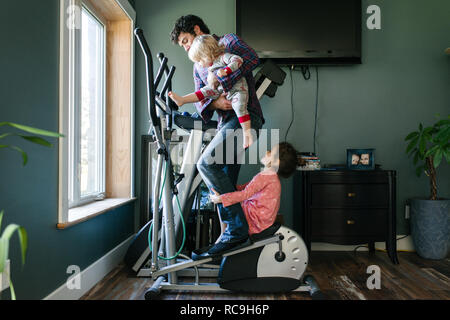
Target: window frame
75,197
68,39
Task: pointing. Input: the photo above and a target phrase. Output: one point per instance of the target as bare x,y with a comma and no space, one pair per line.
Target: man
220,175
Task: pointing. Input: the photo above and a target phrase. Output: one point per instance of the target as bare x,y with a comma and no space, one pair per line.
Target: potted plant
13,228
430,224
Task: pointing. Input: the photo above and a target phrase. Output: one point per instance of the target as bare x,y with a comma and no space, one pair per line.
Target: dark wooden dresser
346,207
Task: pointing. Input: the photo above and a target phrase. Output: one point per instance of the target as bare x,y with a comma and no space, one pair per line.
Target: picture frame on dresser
361,159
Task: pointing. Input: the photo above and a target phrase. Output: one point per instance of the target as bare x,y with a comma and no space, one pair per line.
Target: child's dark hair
186,24
288,159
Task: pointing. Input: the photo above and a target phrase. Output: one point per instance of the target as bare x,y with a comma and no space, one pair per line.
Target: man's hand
213,82
221,104
215,198
222,73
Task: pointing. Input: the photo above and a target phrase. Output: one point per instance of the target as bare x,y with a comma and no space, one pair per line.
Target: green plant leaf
32,130
431,151
411,135
3,253
37,140
23,237
6,135
437,158
33,139
427,136
422,145
446,154
1,218
443,134
23,153
428,130
412,144
443,122
11,289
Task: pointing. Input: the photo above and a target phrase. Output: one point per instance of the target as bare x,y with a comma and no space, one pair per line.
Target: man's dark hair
186,24
288,159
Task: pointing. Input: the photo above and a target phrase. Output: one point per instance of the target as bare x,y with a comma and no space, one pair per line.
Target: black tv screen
302,31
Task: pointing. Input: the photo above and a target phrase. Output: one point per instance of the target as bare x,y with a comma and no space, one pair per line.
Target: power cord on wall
306,73
292,103
317,107
307,76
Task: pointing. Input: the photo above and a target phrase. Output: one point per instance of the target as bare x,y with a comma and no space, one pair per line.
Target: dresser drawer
349,195
337,222
349,176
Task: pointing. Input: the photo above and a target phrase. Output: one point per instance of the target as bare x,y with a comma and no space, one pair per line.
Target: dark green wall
404,79
29,33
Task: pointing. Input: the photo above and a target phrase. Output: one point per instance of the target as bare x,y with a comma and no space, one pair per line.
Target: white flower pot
4,278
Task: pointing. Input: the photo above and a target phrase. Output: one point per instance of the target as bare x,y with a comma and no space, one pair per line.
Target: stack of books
308,161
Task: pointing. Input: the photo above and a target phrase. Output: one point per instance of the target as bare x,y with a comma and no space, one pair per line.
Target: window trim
65,98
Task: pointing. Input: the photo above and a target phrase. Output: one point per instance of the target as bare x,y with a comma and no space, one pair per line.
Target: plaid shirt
233,44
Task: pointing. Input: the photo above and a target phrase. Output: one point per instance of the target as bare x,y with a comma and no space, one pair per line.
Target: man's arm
203,107
237,46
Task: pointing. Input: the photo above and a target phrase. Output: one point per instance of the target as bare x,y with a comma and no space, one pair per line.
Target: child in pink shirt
260,198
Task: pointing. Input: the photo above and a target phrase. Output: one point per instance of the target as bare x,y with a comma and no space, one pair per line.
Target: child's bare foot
248,139
176,98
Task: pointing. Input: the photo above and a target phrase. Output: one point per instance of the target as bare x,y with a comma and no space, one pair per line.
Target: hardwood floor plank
340,275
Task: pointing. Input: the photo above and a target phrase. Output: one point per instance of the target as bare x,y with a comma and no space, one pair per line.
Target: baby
260,198
206,51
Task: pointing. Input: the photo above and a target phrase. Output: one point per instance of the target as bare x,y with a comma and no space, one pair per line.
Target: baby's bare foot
176,98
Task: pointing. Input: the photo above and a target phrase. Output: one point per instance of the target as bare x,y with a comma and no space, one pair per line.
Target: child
260,198
206,51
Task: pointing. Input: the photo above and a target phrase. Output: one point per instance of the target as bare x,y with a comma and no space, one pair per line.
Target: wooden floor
340,276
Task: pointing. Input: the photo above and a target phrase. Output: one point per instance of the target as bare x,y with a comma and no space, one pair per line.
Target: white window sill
89,211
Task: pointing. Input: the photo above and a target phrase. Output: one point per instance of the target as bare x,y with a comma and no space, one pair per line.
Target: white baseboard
93,274
404,244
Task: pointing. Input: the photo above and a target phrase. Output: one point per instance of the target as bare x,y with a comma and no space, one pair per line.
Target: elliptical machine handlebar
168,83
151,89
160,71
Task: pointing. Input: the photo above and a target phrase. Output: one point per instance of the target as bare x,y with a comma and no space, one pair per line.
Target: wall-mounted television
302,32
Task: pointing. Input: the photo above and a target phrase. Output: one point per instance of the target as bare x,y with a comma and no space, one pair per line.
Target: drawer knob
351,195
350,221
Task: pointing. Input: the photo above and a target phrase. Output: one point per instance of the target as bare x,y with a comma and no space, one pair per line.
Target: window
87,114
96,114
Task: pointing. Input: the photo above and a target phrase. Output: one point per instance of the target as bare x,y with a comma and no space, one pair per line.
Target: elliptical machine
270,262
